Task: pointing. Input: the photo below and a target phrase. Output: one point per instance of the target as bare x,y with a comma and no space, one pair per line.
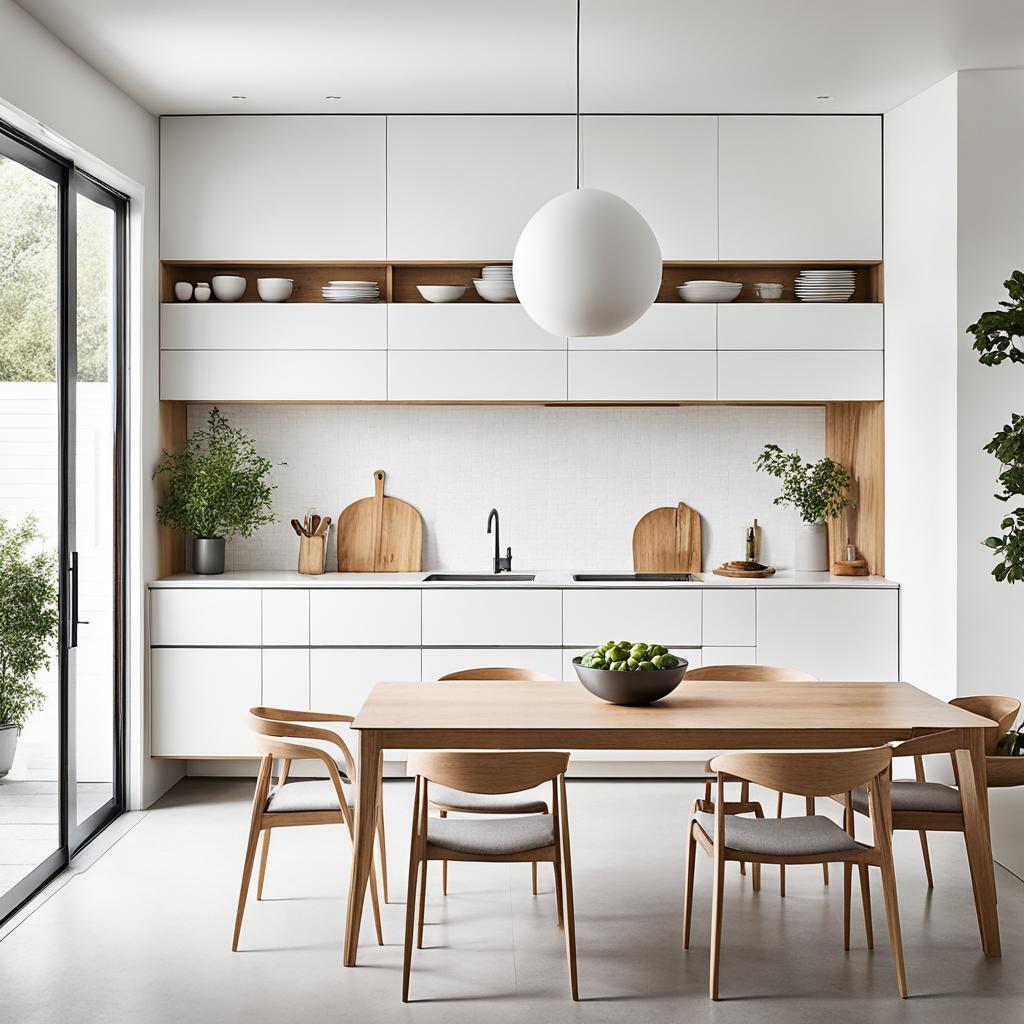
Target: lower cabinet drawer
652,615
439,661
200,699
492,618
364,618
286,678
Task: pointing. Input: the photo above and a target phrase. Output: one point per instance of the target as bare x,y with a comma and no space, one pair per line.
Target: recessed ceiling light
823,97
239,97
332,97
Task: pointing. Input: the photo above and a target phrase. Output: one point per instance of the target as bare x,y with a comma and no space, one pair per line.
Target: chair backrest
1001,710
750,674
524,675
487,771
274,728
806,773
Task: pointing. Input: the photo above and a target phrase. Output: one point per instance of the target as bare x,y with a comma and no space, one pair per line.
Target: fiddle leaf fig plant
817,490
998,333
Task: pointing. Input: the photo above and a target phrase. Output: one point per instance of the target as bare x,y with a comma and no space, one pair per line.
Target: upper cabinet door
463,187
272,188
667,167
800,188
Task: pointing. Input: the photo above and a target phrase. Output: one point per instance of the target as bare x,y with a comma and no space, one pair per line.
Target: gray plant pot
207,556
8,744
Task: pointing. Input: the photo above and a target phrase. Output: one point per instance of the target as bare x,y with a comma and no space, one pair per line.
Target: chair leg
422,906
533,874
809,806
258,801
717,899
375,901
410,919
744,798
892,916
778,807
691,858
557,865
263,863
923,836
865,897
570,913
847,885
382,843
782,867
757,877
444,867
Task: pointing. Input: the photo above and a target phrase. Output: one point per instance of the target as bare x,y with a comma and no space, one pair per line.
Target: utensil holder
313,555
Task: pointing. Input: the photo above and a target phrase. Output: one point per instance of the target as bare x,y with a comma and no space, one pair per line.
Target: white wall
570,484
42,82
920,180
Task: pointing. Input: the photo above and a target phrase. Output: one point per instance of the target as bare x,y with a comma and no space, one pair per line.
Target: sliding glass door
62,243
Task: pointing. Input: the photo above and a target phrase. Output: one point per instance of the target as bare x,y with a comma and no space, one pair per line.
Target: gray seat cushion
492,837
483,803
782,837
914,796
314,795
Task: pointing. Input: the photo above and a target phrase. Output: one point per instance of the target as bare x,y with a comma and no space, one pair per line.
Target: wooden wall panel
171,542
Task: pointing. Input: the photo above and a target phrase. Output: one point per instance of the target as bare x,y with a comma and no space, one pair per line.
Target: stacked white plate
709,291
825,285
351,291
496,284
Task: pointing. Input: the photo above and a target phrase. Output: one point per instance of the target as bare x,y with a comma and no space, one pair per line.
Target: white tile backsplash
570,483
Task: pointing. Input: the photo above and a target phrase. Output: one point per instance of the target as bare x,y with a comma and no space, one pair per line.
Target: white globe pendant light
586,264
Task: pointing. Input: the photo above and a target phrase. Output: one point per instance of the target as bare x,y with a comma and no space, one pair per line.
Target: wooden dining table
709,715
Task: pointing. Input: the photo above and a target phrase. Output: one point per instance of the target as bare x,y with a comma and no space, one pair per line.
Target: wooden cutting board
380,534
668,540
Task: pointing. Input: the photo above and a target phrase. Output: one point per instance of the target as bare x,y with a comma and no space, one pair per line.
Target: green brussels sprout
669,661
631,664
639,651
615,654
646,666
655,649
621,666
624,644
658,660
606,646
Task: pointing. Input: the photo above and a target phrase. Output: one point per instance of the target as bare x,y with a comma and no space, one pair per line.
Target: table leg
368,793
970,764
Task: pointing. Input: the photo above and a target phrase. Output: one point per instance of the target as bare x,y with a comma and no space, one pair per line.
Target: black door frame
71,182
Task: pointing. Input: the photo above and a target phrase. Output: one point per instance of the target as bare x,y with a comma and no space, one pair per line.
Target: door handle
75,620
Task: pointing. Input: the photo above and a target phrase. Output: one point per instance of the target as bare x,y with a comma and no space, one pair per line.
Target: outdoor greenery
28,279
216,485
28,620
818,491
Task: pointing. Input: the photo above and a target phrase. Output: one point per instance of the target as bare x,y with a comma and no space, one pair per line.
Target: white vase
811,547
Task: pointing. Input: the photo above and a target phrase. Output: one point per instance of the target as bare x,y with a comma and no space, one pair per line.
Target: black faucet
500,564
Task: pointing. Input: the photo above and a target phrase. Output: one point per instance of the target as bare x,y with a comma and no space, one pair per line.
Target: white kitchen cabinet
298,327
466,325
477,376
642,376
439,661
286,618
236,376
665,166
200,700
671,616
666,325
274,188
800,376
341,680
463,187
495,617
800,325
727,656
730,618
205,618
286,678
800,188
364,618
844,634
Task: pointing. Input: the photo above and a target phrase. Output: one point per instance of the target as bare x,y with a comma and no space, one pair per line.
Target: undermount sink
479,577
636,577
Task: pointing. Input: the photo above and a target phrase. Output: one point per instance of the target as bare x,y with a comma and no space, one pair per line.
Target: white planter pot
811,547
8,743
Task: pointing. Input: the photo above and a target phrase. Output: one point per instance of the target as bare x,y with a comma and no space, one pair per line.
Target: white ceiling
191,56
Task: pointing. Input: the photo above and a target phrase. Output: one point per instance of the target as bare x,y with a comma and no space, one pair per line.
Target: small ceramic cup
768,291
202,292
183,291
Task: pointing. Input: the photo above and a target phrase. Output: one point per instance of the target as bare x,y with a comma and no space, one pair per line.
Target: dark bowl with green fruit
630,674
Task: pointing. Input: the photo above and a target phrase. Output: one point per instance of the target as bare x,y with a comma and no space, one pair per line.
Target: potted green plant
28,629
819,491
216,489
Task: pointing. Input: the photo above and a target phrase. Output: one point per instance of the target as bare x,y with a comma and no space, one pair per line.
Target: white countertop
556,580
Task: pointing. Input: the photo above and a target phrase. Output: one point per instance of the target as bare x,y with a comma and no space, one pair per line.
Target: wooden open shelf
398,280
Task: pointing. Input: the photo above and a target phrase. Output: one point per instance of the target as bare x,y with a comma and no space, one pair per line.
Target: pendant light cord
579,5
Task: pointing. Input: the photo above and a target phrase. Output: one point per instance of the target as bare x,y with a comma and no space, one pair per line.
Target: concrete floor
140,931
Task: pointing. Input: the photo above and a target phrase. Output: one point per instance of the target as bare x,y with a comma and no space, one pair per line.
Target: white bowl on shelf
495,291
441,292
709,291
228,287
275,289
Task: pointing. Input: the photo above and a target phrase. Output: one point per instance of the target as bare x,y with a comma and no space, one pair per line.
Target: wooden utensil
314,525
668,540
380,534
324,526
297,527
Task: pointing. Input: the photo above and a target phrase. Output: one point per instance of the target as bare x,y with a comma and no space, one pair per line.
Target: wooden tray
732,570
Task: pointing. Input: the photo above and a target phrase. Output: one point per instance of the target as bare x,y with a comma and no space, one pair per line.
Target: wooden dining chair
756,674
922,806
306,802
811,839
448,801
533,837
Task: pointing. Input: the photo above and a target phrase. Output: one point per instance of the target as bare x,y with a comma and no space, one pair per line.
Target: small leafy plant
216,486
28,620
817,490
997,333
